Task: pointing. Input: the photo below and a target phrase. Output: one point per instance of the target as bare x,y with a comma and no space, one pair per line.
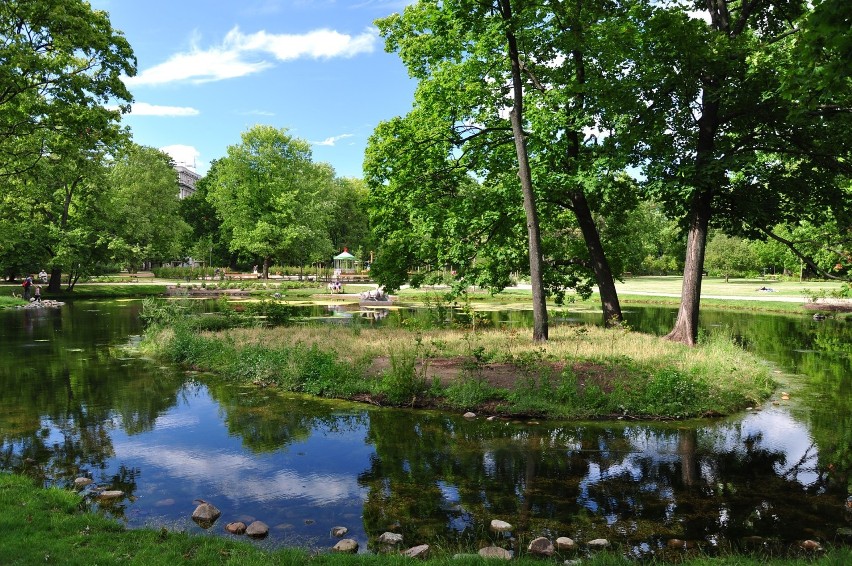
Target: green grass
52,526
580,372
10,301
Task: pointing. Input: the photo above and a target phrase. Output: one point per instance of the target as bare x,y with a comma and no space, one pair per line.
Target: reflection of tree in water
267,422
438,478
66,394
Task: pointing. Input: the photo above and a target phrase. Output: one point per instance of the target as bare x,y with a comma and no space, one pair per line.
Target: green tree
207,236
349,222
62,62
527,74
721,143
147,225
271,197
730,255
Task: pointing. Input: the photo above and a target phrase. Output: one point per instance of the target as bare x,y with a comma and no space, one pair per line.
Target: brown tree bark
603,274
540,326
700,210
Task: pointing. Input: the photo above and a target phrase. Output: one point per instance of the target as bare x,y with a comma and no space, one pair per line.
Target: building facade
186,181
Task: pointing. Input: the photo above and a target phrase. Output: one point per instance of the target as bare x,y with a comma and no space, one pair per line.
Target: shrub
403,383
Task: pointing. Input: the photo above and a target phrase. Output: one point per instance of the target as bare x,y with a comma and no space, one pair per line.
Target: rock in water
257,529
205,515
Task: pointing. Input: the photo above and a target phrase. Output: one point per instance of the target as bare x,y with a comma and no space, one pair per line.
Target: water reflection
74,403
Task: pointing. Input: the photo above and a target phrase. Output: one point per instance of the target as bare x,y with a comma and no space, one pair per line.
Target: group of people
28,285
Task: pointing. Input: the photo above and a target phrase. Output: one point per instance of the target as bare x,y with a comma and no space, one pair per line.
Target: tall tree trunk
686,326
700,210
603,274
540,327
580,205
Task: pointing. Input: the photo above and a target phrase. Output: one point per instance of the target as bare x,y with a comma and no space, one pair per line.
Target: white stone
598,543
346,545
339,531
495,552
500,526
390,538
565,543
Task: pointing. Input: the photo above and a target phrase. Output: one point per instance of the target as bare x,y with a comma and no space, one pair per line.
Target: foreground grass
581,372
50,526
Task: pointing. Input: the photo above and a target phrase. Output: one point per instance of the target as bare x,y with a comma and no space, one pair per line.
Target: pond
75,401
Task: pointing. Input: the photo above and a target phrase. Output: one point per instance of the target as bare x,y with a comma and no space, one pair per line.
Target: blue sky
208,70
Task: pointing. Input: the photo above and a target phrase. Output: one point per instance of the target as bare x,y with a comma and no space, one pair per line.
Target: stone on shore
495,552
500,526
541,546
236,528
420,551
347,545
390,539
257,529
598,543
565,543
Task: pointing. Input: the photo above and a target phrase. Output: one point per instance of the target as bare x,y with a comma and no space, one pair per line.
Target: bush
402,384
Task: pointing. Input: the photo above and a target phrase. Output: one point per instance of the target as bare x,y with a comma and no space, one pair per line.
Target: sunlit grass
652,376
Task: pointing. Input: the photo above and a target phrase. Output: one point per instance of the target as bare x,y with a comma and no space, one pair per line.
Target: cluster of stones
388,542
206,514
541,546
100,494
43,304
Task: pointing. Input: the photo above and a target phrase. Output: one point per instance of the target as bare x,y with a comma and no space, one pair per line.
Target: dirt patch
830,305
505,375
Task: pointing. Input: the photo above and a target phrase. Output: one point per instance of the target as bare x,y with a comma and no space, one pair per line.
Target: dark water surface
74,402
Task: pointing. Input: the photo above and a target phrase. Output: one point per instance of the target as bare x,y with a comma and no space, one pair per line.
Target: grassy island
582,372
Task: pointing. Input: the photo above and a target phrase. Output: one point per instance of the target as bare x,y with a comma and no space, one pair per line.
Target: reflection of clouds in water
171,421
776,431
244,476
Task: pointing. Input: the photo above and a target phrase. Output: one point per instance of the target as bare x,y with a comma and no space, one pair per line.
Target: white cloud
145,109
243,54
332,140
256,113
185,155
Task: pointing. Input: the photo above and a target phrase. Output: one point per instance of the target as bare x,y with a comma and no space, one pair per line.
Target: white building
186,181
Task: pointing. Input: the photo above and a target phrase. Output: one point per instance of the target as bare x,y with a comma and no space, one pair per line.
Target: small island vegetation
582,372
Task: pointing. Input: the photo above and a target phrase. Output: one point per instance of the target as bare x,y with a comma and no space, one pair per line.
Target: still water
74,402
